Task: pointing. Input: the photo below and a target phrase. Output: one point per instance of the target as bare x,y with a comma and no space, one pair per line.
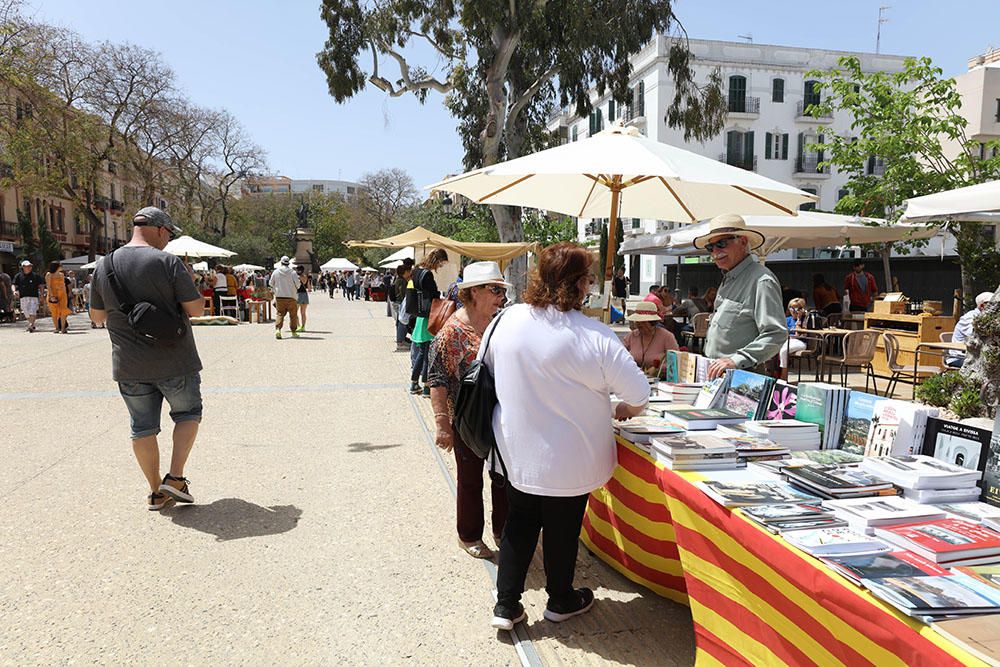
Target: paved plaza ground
323,531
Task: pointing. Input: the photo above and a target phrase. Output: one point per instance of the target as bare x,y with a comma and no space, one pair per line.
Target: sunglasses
720,244
495,290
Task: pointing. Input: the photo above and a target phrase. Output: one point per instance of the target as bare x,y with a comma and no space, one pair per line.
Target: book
931,596
827,456
694,445
713,462
897,428
738,494
687,371
641,434
712,393
983,513
701,368
822,404
979,635
958,444
835,481
965,495
882,565
987,574
888,511
945,540
767,514
857,421
791,433
829,541
991,472
671,369
699,420
781,404
751,447
921,472
783,527
749,393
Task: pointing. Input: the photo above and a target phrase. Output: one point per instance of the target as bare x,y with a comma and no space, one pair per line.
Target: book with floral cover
782,402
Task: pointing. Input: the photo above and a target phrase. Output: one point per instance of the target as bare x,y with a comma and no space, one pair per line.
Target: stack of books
929,598
678,392
640,434
694,452
837,481
946,541
824,405
749,393
751,448
833,541
857,421
880,566
897,428
925,478
794,434
788,517
864,514
691,419
959,444
740,494
980,513
804,457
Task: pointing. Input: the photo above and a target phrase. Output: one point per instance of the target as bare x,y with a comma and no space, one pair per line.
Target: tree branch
408,84
525,99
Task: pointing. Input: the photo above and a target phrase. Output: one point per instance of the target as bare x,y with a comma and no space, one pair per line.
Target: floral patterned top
454,349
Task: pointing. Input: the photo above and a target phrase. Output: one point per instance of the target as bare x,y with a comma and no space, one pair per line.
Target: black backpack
150,323
477,397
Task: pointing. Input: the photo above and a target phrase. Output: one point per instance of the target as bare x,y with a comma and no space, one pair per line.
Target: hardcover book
857,421
958,444
944,540
749,393
781,405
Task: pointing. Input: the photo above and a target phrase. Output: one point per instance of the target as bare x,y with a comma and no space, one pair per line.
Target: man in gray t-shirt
147,372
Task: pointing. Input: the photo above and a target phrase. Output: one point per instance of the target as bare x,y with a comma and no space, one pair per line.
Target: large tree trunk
982,360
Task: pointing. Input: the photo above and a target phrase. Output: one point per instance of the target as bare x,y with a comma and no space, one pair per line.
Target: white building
767,129
348,189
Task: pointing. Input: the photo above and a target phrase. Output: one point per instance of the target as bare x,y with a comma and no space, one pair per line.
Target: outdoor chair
900,371
808,355
699,324
946,336
208,306
858,352
229,304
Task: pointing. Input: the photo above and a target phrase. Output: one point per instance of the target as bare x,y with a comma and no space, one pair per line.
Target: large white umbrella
185,246
808,230
975,203
248,267
78,262
620,173
339,264
398,256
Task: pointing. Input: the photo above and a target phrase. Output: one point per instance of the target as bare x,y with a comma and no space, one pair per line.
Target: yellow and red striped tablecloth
754,599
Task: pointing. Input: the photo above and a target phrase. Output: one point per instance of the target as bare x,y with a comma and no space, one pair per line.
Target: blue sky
257,59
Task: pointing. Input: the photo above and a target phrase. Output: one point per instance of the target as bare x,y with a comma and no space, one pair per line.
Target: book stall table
754,599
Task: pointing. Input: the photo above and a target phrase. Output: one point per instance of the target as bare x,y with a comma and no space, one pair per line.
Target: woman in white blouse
554,370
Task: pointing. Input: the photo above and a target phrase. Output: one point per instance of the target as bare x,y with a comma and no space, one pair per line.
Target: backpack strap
125,300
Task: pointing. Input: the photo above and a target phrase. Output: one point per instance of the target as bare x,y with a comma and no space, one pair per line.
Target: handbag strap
496,448
125,300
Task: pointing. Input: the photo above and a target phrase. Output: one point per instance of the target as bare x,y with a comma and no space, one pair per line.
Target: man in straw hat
748,326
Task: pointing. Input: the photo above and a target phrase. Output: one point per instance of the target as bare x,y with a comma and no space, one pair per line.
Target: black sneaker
505,617
580,603
176,488
415,388
157,501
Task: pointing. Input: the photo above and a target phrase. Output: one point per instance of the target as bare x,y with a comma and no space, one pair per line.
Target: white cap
27,263
983,297
284,259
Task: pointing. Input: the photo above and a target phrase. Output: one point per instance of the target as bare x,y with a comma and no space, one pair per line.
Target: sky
258,60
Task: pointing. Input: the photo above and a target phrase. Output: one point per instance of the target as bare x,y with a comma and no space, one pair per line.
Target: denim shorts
145,400
302,298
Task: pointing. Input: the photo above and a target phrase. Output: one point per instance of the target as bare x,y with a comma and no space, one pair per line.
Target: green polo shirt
749,321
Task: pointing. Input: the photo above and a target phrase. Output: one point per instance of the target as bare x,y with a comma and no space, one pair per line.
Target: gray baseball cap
154,217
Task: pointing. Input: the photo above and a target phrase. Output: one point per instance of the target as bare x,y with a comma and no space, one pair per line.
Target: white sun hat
482,273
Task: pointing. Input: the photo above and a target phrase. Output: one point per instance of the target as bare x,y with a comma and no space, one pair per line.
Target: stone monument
303,237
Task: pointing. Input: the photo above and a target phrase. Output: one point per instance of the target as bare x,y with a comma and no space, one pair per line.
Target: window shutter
611,111
748,150
784,147
802,143
600,121
640,103
778,90
767,145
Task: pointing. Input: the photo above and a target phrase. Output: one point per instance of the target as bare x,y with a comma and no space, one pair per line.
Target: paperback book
739,494
781,405
792,433
883,565
898,428
837,481
671,366
924,596
983,513
827,457
700,420
857,421
749,393
921,472
888,511
945,541
824,405
961,445
830,541
768,514
701,368
713,393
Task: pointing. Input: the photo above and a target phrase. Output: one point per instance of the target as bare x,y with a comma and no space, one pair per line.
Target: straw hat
645,311
729,224
482,273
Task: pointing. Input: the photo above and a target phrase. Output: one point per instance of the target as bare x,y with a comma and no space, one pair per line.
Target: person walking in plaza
554,370
648,344
619,287
29,287
483,291
285,284
149,372
748,327
860,287
397,295
302,296
220,287
349,283
6,297
419,300
58,298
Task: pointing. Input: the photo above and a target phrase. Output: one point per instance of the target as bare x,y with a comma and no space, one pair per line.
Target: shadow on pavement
234,519
362,447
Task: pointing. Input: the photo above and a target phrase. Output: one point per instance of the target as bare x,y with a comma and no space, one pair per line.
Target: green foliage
51,250
953,391
547,230
967,403
27,233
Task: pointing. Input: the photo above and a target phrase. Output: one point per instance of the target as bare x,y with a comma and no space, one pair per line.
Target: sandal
477,549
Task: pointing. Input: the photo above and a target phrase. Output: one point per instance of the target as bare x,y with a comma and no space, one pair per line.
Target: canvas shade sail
248,267
973,203
185,246
339,264
419,236
398,256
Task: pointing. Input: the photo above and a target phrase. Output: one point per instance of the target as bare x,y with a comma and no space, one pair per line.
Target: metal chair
858,351
230,304
901,372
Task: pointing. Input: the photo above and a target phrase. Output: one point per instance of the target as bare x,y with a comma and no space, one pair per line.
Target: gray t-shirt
160,278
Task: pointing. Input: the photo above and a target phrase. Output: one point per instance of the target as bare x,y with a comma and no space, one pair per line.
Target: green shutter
611,111
748,150
767,145
600,121
784,147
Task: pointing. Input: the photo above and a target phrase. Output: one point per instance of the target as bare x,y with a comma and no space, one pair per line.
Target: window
998,110
113,196
775,146
611,110
811,93
596,122
636,223
350,189
575,133
811,206
739,149
317,187
737,94
639,99
778,90
841,193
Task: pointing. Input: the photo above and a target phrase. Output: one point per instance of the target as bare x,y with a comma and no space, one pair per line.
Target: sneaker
505,617
31,329
295,334
277,334
176,488
580,603
157,501
427,390
300,330
415,388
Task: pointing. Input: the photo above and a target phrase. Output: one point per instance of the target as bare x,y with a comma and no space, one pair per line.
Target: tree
384,194
27,233
506,65
548,229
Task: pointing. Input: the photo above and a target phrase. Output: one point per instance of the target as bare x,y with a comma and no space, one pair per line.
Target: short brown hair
465,295
553,283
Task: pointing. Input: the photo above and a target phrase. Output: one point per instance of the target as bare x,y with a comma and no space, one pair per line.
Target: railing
101,202
117,205
745,104
633,111
8,229
810,165
809,109
748,162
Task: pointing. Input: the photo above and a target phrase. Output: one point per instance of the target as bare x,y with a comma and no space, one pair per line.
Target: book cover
687,416
713,393
986,574
811,404
692,445
834,540
991,474
944,537
701,368
979,635
857,421
898,428
880,566
785,512
748,393
940,594
884,511
958,444
735,494
672,374
829,456
975,511
781,404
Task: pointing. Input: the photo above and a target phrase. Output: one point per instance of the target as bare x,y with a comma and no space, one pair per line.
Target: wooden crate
909,330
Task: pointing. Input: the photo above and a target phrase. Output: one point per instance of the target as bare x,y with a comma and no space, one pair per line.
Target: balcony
118,206
634,113
808,167
807,111
8,230
746,105
748,162
101,203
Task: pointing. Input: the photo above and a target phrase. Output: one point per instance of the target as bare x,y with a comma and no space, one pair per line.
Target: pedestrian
29,287
554,371
149,372
419,300
332,284
302,296
220,287
454,349
619,287
58,298
963,329
395,295
6,297
860,287
285,284
748,327
350,282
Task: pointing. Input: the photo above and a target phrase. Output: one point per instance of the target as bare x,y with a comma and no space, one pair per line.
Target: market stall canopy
399,256
975,203
808,230
419,236
199,266
79,262
369,269
339,264
185,246
90,266
248,267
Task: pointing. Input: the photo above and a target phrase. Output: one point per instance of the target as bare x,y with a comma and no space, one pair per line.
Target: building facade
261,185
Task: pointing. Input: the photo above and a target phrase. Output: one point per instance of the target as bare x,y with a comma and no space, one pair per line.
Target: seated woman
648,344
825,296
797,315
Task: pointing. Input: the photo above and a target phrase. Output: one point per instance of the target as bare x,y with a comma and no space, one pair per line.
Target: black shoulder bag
148,321
477,397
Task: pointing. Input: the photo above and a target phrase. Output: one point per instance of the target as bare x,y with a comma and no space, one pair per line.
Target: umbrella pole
609,262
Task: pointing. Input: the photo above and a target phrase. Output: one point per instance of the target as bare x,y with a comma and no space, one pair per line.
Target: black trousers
560,518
